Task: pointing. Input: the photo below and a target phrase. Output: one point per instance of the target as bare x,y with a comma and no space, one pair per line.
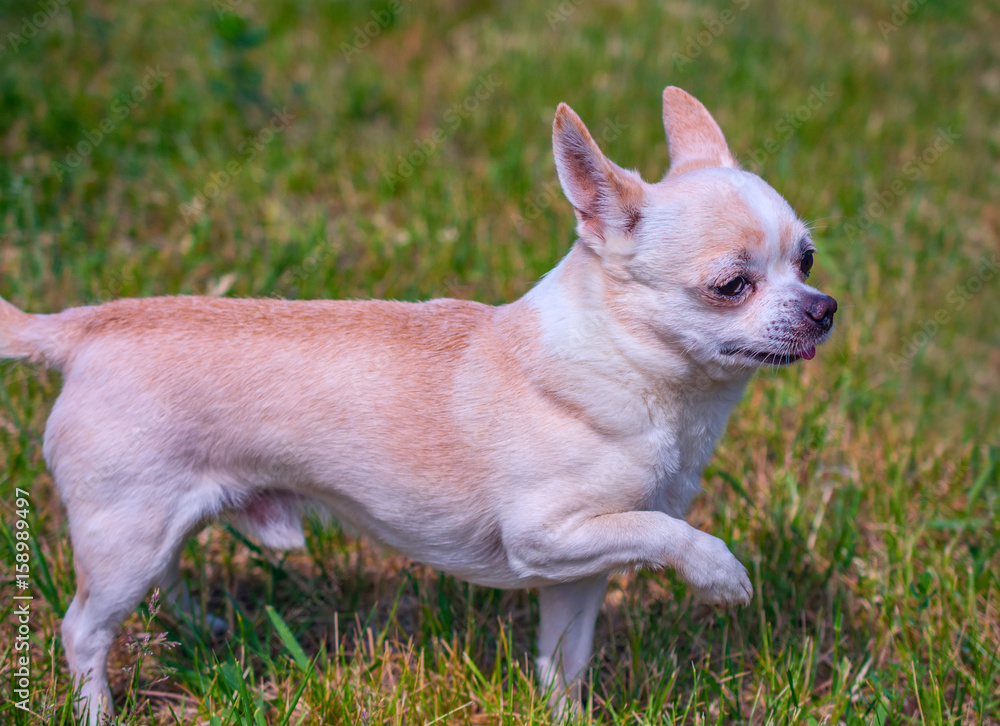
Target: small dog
545,443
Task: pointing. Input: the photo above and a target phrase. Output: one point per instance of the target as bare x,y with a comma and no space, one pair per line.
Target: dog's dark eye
732,288
806,263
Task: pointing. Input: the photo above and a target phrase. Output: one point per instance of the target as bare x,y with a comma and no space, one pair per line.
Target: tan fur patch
792,230
695,139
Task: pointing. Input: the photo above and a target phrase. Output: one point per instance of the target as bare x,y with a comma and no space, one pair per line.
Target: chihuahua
544,443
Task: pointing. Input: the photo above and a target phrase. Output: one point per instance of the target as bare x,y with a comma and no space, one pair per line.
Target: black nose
820,310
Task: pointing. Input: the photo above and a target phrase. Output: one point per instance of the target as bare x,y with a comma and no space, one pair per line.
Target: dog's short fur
544,443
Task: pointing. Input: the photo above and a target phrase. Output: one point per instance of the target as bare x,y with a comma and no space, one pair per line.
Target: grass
860,488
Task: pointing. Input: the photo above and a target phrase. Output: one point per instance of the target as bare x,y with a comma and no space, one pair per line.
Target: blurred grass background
395,149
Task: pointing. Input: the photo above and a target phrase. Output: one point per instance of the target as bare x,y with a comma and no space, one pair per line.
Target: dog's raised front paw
715,575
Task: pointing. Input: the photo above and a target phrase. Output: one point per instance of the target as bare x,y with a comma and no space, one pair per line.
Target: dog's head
710,261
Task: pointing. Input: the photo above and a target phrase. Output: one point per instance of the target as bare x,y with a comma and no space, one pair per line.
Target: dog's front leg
575,554
565,548
566,637
568,548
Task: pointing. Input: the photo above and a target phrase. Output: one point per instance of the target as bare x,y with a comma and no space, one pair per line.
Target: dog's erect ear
608,199
695,140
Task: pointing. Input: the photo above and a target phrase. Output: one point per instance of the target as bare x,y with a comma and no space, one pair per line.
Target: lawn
403,150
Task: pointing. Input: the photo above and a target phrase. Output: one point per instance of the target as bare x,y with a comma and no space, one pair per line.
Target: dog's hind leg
120,551
566,636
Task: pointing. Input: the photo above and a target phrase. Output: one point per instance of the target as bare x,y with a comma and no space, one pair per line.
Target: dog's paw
715,575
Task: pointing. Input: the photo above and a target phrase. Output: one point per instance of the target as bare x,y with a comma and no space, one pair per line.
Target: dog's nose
820,310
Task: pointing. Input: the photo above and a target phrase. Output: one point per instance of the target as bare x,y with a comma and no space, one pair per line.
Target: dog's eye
732,288
806,263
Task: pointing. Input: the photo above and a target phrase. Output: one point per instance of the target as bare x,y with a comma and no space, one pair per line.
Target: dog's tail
36,338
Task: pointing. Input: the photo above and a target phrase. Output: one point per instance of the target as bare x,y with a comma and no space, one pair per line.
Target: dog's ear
694,138
608,200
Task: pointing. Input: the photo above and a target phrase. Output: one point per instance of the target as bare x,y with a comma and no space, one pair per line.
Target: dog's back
254,406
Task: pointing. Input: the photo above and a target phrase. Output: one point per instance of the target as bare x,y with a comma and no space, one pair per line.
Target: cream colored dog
544,443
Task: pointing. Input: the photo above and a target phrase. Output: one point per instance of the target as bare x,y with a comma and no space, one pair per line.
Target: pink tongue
809,353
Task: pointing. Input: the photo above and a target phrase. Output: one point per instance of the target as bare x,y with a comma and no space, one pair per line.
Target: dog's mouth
772,358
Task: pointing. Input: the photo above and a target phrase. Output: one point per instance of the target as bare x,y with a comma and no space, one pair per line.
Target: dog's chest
678,447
